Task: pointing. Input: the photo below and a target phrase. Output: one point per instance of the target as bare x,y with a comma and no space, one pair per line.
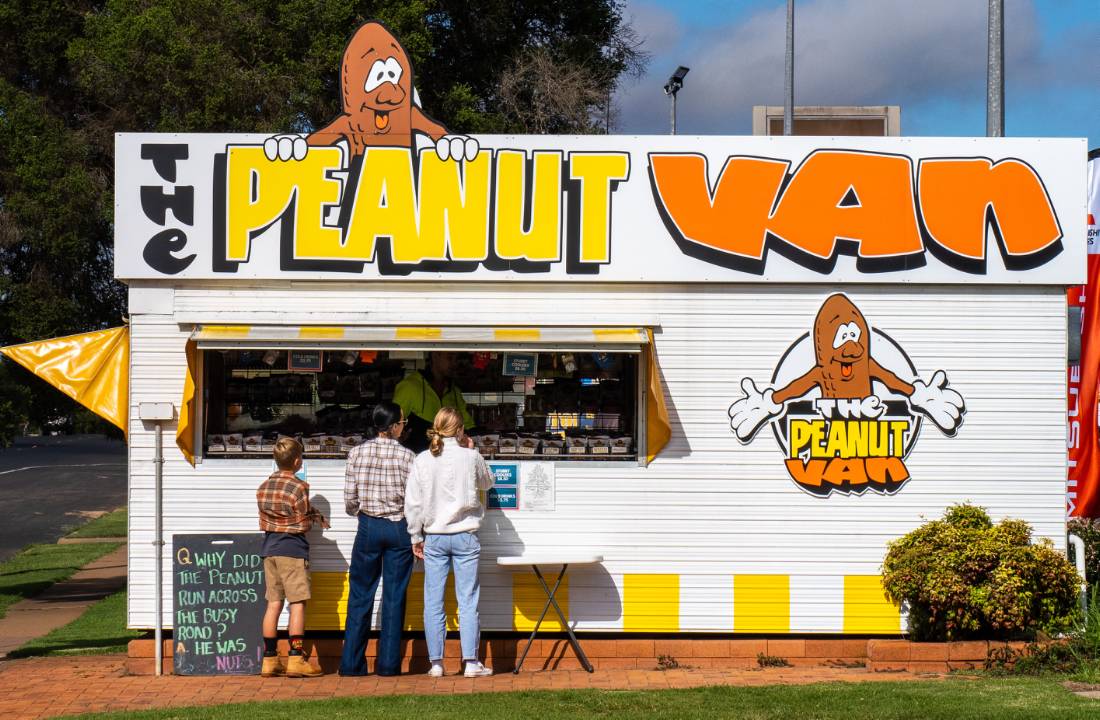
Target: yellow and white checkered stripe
651,603
366,337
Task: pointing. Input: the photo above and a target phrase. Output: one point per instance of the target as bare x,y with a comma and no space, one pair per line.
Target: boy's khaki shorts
287,579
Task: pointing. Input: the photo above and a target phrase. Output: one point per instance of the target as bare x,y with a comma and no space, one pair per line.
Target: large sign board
385,192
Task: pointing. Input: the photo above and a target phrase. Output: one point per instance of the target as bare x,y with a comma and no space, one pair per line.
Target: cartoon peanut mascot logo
379,107
841,407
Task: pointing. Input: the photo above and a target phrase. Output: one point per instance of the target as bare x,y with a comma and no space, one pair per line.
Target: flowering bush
965,577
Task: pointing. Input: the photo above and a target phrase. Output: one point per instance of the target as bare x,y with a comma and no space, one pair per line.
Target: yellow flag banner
91,368
185,428
658,428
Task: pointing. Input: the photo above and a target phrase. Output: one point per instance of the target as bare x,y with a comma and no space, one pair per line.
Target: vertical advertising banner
1083,481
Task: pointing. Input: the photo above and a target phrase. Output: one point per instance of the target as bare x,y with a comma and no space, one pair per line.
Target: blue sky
928,56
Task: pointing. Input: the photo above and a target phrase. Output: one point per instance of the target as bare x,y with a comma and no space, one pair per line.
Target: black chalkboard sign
218,604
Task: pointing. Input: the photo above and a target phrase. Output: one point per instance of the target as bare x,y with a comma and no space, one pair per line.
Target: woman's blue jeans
383,550
441,551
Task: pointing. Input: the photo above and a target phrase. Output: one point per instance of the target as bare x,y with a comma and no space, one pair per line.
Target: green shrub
1089,531
1077,654
966,577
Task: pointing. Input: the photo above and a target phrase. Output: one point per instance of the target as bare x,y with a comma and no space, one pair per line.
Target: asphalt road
49,484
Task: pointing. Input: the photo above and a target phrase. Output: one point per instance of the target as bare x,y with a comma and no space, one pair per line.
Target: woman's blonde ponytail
436,445
447,423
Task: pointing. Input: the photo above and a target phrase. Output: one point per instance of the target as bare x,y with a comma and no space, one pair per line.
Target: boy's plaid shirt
283,501
375,477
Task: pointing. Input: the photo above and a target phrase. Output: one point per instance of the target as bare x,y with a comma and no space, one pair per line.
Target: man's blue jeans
383,550
441,551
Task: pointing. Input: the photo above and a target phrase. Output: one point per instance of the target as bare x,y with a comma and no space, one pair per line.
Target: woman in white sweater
444,512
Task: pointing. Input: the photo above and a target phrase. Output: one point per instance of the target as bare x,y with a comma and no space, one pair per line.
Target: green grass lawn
951,699
37,567
101,629
113,524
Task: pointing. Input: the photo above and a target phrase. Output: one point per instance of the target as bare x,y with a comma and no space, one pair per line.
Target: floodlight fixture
675,82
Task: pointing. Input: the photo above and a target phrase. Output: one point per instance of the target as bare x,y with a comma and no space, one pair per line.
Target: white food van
735,367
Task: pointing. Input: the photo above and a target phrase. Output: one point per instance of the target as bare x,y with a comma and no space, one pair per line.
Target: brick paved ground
48,687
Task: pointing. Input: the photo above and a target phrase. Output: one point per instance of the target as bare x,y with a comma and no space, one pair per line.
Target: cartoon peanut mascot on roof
844,369
380,108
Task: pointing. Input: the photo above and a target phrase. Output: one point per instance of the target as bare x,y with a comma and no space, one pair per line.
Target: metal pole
673,95
607,115
788,78
158,548
995,77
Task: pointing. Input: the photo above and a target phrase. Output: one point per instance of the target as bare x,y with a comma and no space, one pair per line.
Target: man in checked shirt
285,518
374,493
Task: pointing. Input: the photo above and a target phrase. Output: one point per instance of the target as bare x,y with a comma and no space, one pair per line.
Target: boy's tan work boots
298,666
272,666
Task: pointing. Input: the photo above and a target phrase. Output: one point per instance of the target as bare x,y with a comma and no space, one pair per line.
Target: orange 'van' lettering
956,193
886,470
863,197
734,216
807,473
879,214
848,472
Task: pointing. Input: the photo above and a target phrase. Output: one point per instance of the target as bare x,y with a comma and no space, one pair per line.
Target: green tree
74,73
15,401
477,44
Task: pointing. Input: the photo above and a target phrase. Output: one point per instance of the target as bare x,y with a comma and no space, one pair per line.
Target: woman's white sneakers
476,669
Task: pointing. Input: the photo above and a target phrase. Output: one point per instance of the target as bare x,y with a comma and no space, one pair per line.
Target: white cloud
847,52
658,27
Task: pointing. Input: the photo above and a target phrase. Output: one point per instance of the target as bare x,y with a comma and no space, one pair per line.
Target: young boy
285,518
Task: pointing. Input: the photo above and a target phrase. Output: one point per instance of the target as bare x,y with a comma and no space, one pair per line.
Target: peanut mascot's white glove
749,414
457,147
285,147
940,403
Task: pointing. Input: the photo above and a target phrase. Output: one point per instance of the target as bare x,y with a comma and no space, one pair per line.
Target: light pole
675,82
788,75
995,76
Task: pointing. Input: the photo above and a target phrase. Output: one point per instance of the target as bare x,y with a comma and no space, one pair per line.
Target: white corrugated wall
712,530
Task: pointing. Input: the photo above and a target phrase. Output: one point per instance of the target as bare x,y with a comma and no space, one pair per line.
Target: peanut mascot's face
842,346
376,79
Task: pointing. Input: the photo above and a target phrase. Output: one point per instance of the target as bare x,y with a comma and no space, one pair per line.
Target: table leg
542,616
565,623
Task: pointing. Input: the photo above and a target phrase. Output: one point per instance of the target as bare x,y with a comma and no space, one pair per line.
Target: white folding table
551,559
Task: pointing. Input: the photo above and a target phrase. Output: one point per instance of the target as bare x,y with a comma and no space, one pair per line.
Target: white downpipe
1079,560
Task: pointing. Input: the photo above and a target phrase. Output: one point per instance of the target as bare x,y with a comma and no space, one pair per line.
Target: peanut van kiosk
735,367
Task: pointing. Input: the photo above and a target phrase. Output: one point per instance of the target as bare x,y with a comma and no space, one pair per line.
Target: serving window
524,402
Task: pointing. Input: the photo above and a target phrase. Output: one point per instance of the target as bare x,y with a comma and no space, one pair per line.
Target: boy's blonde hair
287,451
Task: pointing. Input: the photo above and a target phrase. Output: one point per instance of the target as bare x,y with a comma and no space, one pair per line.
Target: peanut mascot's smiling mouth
381,119
846,370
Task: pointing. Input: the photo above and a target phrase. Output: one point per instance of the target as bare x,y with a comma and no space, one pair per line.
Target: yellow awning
658,429
622,339
185,428
91,368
